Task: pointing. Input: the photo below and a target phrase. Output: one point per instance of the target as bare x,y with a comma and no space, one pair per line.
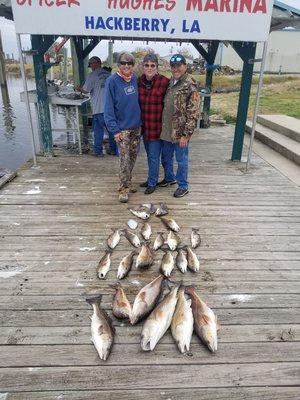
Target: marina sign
227,20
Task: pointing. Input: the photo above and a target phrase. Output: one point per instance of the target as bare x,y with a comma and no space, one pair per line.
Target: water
15,132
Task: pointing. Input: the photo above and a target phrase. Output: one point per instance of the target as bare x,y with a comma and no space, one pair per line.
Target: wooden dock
54,220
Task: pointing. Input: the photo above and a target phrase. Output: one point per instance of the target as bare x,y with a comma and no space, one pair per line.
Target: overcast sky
10,46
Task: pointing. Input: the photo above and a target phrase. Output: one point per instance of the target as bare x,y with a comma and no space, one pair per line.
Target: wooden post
3,82
209,57
110,54
65,65
39,46
247,52
76,79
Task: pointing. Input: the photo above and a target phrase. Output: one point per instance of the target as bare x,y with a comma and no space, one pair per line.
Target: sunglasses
130,63
150,65
177,59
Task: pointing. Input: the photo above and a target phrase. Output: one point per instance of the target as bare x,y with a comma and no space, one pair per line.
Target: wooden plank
237,211
81,317
204,275
88,254
249,393
111,196
87,288
56,266
156,376
53,188
131,354
39,335
58,244
6,175
76,302
67,228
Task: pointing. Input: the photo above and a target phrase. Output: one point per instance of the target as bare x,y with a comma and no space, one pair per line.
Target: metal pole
26,98
260,84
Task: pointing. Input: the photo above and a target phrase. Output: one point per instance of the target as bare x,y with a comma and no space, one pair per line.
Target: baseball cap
150,57
177,59
94,59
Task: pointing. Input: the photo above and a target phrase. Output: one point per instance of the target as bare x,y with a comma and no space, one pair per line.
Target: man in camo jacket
179,120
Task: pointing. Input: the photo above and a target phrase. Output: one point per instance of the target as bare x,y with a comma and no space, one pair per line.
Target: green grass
276,98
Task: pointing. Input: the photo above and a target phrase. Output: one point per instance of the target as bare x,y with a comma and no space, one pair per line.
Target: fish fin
93,300
205,318
143,296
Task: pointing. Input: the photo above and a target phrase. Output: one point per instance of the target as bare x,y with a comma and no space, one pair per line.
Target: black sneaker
180,192
100,155
150,189
144,184
111,152
165,183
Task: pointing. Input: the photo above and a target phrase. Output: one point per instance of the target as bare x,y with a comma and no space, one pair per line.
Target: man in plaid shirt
152,89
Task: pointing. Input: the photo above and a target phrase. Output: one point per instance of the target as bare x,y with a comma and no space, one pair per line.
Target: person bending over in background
95,85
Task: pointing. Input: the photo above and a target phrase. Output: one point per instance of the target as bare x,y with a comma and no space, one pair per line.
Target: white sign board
228,20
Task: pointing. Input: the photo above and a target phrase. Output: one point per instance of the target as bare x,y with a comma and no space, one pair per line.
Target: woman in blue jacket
122,117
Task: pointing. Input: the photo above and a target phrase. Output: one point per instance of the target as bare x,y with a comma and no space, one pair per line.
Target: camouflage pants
128,152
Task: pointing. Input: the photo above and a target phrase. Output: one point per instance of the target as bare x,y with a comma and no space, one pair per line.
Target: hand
183,141
118,137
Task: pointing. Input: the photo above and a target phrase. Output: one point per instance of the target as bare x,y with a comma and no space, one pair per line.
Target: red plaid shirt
152,102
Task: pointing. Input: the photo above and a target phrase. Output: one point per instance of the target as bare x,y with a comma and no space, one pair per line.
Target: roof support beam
247,53
209,56
40,44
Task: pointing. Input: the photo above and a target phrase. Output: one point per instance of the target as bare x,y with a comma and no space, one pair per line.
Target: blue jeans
98,129
182,158
153,150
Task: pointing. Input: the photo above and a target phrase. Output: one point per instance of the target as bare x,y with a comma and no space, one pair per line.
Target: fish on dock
141,212
121,307
159,321
132,238
181,260
167,264
195,238
159,241
173,240
182,324
145,257
146,299
170,223
125,265
192,259
205,321
146,231
151,207
104,265
113,239
102,329
161,210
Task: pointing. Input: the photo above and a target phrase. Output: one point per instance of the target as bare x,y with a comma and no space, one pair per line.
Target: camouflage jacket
186,109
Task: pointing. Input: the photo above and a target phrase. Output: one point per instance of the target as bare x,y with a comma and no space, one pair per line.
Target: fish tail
190,289
93,300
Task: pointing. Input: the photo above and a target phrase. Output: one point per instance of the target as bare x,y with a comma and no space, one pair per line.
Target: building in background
283,53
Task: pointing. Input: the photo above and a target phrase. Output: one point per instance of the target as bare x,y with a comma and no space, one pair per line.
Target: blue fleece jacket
121,110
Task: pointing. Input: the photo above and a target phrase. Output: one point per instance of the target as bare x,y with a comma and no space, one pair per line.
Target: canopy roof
283,15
